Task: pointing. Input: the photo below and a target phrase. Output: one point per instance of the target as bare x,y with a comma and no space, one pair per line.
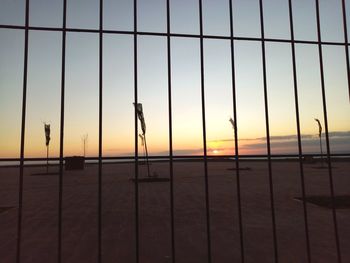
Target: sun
215,151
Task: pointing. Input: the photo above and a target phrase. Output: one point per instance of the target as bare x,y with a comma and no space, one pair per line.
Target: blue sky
44,73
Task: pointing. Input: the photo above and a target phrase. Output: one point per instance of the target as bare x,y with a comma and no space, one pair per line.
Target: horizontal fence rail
160,34
253,157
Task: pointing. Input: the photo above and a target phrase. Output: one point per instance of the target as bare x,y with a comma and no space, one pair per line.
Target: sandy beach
80,213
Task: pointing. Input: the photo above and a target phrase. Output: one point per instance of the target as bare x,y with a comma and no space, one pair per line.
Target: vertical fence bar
346,43
234,100
99,257
170,135
23,127
137,241
60,179
297,115
324,104
204,130
268,131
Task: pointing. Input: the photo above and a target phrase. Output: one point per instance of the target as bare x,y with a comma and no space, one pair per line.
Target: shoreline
38,162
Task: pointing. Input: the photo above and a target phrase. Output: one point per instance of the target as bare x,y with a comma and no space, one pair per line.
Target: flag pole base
240,169
150,180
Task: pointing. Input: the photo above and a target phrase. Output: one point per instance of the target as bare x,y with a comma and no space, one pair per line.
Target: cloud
339,134
182,152
335,134
339,142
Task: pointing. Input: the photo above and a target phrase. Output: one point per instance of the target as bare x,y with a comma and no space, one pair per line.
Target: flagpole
47,159
144,150
320,136
139,110
47,137
143,145
234,131
148,172
321,150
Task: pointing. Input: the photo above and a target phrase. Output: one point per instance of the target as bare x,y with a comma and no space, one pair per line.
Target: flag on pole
233,123
47,133
319,127
139,112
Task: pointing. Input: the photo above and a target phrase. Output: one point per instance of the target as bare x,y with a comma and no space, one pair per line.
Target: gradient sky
81,112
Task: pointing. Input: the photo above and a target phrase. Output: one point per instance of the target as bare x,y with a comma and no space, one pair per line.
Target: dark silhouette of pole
268,139
148,170
325,121
47,137
233,123
321,150
297,118
61,150
47,159
170,126
139,112
84,138
320,136
143,145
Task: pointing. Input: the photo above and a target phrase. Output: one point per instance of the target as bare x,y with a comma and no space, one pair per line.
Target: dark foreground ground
80,213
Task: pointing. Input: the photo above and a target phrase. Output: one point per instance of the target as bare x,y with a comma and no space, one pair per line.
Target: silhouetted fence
171,158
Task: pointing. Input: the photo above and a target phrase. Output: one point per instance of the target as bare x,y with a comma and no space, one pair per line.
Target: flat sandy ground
80,213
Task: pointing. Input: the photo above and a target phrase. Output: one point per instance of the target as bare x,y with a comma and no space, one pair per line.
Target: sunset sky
81,101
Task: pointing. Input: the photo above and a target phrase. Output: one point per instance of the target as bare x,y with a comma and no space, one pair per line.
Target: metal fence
171,157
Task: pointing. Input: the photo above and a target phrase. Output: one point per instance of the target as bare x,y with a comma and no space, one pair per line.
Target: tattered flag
139,113
233,123
47,133
319,127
